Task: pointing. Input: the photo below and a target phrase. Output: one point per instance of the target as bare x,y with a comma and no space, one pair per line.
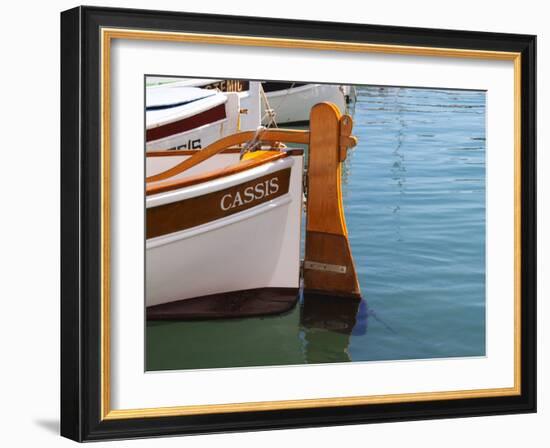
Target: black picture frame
81,224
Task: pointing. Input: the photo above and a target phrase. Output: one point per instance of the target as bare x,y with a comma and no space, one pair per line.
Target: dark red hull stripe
177,127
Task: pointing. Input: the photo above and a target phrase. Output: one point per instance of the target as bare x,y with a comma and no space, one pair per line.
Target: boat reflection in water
320,329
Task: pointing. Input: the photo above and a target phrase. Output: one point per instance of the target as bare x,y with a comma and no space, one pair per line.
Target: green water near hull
414,197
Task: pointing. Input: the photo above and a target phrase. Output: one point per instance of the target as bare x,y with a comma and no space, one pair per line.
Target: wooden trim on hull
170,185
181,215
246,303
185,152
269,135
190,152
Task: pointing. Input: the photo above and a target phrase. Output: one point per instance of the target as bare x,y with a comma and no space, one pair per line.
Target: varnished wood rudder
328,263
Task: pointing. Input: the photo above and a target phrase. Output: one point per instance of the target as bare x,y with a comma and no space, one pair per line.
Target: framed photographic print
274,223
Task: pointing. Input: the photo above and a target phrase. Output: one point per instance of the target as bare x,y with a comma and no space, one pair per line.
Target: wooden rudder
328,263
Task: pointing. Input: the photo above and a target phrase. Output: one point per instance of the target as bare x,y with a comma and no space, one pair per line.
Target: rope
253,143
287,94
269,111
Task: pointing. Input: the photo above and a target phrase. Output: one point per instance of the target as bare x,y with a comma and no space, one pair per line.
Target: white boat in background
180,116
290,102
282,103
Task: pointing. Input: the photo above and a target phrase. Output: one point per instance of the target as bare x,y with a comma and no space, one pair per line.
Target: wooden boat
223,224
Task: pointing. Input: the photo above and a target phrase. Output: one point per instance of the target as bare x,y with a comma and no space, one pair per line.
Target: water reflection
398,169
337,314
327,323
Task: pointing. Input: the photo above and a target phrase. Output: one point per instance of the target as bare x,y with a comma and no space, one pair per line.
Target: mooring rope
269,111
253,143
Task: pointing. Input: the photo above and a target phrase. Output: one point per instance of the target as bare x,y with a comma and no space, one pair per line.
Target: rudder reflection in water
328,322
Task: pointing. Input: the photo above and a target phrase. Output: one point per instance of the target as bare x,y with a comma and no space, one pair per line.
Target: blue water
414,198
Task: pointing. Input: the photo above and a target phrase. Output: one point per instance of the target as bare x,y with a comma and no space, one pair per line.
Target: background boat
289,103
282,103
181,116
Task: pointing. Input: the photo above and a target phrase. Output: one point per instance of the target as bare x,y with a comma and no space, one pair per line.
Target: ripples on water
414,196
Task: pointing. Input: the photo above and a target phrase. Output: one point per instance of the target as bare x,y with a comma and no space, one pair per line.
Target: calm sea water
414,197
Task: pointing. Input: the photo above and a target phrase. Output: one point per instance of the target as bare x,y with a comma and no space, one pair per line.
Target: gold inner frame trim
107,35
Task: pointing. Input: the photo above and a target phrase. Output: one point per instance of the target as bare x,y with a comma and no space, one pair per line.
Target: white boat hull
202,136
256,248
242,111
